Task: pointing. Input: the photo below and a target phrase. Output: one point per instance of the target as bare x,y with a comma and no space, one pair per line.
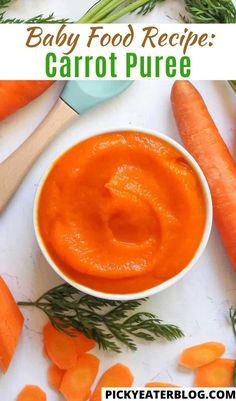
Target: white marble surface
199,303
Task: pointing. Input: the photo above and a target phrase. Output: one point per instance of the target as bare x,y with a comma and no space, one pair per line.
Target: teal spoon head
83,95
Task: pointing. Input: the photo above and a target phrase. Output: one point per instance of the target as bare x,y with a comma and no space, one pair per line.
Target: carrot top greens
109,323
107,11
233,85
232,313
210,11
5,3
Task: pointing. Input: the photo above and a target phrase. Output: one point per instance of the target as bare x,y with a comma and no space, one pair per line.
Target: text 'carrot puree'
121,212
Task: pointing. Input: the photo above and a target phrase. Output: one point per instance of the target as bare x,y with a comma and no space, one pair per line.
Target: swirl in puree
121,212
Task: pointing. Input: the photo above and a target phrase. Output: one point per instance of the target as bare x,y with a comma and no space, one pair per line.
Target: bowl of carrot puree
124,214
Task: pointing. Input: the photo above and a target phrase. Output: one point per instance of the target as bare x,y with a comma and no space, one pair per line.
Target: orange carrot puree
121,212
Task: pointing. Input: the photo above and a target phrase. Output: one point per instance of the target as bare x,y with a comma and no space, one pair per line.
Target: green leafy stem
232,315
107,11
110,323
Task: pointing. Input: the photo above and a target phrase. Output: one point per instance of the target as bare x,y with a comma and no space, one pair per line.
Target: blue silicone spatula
77,97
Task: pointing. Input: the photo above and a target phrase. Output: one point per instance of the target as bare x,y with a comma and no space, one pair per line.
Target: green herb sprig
38,19
107,11
232,315
210,11
233,85
5,3
104,11
109,323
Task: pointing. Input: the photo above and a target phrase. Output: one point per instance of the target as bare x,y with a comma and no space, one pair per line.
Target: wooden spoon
77,97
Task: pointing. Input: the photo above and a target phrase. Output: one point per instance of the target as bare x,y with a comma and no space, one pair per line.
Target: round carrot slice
200,355
118,375
32,393
216,374
60,347
83,343
77,381
17,94
55,376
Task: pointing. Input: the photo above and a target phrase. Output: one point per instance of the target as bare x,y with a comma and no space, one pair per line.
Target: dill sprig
210,11
109,323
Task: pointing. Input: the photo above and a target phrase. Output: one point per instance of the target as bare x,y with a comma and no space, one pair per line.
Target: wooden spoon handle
15,167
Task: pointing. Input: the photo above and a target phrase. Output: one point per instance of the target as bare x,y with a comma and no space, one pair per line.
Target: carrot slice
216,374
11,323
55,376
32,393
117,376
202,139
202,354
16,94
159,384
78,380
60,347
83,343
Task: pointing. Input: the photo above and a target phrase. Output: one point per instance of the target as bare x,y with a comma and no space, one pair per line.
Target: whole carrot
16,94
11,324
202,139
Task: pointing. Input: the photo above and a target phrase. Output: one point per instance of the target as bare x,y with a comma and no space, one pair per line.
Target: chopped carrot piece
216,374
117,376
159,384
11,323
32,393
55,376
202,354
60,347
77,381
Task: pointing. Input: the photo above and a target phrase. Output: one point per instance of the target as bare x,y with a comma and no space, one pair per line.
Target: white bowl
166,284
